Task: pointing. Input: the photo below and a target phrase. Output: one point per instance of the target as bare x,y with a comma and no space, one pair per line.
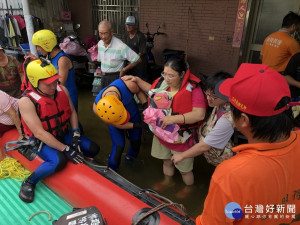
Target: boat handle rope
155,194
50,217
159,207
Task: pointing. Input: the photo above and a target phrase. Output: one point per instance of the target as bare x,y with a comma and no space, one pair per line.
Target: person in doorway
112,53
271,156
177,108
11,74
137,42
46,110
279,47
47,45
216,131
115,105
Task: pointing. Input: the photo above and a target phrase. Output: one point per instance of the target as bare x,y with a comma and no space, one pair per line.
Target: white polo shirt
112,58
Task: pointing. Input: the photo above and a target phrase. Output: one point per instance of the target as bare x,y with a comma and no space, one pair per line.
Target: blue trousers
55,160
118,144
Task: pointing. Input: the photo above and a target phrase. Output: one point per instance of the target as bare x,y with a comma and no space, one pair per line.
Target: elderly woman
177,107
215,133
11,74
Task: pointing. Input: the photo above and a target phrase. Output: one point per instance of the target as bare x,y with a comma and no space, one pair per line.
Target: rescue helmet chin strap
40,91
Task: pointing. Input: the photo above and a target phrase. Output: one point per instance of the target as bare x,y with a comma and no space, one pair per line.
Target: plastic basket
25,48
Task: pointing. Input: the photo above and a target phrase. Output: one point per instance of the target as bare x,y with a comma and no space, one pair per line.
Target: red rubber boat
118,200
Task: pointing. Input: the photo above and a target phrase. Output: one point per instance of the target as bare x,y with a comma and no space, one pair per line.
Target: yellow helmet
46,39
112,111
38,70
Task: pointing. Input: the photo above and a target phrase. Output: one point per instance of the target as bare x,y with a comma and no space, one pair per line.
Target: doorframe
248,33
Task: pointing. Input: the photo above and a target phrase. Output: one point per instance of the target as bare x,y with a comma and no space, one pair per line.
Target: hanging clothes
13,29
20,20
37,23
16,26
6,30
22,27
12,33
3,39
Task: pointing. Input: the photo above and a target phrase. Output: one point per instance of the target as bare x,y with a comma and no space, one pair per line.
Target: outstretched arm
143,85
15,118
194,151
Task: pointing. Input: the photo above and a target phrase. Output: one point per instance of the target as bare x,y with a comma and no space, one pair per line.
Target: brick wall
211,23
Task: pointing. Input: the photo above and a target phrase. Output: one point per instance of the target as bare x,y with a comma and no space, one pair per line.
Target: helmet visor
50,79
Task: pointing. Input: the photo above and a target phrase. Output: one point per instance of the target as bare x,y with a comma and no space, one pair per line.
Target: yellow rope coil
11,168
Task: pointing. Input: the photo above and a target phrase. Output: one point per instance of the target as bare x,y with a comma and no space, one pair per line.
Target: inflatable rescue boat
89,184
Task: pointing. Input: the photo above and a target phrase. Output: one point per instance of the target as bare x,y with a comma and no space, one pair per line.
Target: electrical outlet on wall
211,38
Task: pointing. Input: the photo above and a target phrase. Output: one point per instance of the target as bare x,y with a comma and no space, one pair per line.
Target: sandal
162,185
185,192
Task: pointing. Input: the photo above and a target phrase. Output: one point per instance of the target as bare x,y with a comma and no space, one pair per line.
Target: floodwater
146,170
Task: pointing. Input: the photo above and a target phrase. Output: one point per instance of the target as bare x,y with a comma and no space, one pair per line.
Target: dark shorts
107,79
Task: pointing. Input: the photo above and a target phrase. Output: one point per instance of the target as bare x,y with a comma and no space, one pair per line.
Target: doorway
265,17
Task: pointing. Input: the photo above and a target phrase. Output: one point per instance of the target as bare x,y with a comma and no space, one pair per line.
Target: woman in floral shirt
11,74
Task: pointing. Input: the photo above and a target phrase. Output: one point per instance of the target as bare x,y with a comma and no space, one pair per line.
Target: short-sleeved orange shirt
259,176
277,50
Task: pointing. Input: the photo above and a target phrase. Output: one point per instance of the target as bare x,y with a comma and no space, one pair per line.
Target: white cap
130,20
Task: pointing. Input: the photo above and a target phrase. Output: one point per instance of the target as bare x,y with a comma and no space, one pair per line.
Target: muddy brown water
146,170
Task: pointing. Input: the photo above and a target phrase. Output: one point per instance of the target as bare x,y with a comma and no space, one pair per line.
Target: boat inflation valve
146,216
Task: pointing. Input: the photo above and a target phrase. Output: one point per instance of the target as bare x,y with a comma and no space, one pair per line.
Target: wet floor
146,170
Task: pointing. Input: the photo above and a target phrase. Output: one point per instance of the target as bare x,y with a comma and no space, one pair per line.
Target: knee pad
62,161
93,150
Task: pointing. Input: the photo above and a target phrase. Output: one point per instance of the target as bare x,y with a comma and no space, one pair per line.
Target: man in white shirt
112,53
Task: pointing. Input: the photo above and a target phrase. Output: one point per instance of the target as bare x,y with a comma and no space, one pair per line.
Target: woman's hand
177,158
165,121
23,136
129,78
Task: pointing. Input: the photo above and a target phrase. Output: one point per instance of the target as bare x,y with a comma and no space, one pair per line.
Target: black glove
75,143
144,106
141,125
73,154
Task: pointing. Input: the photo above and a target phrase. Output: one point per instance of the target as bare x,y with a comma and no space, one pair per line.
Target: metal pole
29,26
7,6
